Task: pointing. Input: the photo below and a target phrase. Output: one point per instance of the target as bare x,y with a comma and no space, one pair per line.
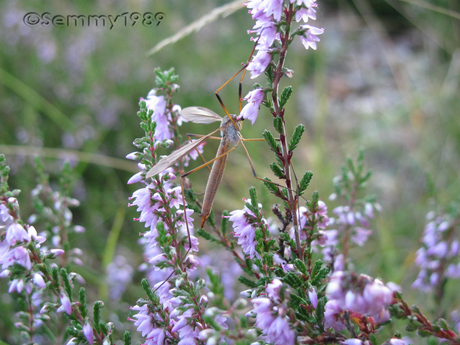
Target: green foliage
269,75
292,280
296,137
270,140
148,291
270,186
224,223
4,174
206,235
98,305
295,301
254,201
277,171
65,279
55,274
127,338
320,309
316,279
373,339
249,283
82,299
300,265
211,219
278,124
285,95
305,181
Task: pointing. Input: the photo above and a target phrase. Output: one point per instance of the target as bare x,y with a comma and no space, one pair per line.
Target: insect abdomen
214,180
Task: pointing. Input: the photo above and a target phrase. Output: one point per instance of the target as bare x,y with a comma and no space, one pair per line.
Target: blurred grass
385,77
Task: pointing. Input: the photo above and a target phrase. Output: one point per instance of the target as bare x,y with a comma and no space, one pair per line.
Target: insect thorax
228,128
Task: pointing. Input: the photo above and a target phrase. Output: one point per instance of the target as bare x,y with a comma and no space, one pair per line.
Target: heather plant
300,286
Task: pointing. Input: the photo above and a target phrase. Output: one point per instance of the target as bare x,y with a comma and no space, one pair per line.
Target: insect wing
200,115
174,157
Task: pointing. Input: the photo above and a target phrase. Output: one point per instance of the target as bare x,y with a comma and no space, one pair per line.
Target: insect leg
240,85
201,136
199,153
209,162
254,171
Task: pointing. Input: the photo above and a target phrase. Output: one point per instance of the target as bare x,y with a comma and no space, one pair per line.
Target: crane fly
230,131
230,127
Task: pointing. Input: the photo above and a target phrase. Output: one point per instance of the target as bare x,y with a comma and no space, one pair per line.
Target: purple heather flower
350,218
65,304
143,319
156,337
181,223
360,236
267,35
136,178
245,231
369,210
174,196
443,226
5,216
158,105
133,156
195,244
263,310
246,239
305,13
313,296
453,271
34,236
186,332
165,295
38,280
119,275
352,341
220,320
272,7
273,289
454,248
394,287
262,20
274,328
438,252
16,233
332,237
16,285
5,273
251,109
309,37
332,317
182,320
283,263
259,63
17,255
279,332
192,262
88,332
79,229
361,294
396,341
56,252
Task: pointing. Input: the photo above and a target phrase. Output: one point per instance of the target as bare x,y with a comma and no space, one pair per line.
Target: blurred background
385,77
